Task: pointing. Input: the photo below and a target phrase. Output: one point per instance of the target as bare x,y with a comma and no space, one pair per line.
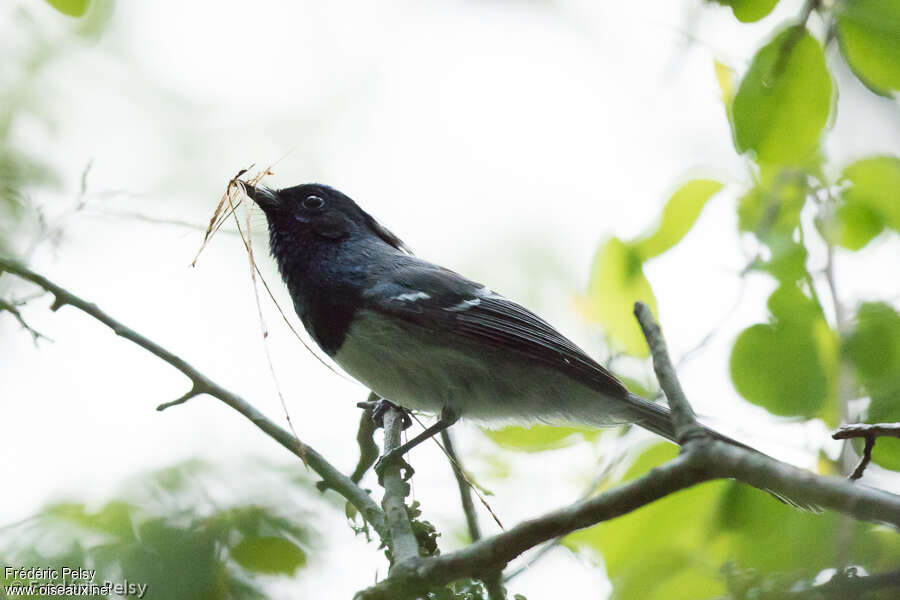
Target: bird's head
313,211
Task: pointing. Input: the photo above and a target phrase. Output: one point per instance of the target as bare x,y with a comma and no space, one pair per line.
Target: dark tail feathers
657,418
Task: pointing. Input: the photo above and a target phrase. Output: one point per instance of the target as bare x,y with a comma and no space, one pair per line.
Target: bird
426,338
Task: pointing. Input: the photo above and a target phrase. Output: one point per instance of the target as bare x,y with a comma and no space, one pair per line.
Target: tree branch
865,430
404,545
870,433
203,385
683,418
416,576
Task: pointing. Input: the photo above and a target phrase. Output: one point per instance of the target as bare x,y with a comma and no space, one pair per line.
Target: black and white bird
426,338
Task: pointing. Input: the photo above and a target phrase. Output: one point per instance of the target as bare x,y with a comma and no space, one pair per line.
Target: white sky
484,134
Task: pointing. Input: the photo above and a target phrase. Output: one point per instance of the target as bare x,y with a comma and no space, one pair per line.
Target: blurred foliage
784,99
870,202
538,438
869,34
724,539
72,8
23,97
798,336
790,365
676,548
617,278
748,11
187,531
874,349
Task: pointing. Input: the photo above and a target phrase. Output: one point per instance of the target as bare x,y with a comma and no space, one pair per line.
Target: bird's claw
393,458
381,406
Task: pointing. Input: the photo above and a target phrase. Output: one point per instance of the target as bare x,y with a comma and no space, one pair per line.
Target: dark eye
313,202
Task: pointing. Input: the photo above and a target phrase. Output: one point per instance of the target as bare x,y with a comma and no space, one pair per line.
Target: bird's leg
448,418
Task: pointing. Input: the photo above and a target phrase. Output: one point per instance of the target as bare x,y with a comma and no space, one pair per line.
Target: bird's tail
658,419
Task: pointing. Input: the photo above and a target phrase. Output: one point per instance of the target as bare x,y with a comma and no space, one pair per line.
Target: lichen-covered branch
404,545
413,577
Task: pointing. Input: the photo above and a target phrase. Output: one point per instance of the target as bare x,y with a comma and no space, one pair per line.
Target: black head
318,210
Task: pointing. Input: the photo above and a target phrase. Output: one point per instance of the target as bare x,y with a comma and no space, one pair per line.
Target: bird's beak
264,197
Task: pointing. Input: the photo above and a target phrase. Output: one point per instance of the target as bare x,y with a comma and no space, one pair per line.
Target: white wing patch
465,305
412,296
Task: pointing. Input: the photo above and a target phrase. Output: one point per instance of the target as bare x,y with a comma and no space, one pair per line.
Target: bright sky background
502,139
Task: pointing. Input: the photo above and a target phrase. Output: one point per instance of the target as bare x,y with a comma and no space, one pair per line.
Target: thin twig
336,480
714,330
864,460
11,308
264,333
869,433
181,400
610,460
471,484
857,430
493,582
465,488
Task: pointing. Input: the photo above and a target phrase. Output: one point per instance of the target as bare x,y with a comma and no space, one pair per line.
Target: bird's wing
435,298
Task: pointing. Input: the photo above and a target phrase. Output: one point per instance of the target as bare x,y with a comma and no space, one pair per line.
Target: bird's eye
313,202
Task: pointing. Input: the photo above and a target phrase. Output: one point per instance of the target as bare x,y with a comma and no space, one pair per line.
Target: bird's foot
392,458
380,407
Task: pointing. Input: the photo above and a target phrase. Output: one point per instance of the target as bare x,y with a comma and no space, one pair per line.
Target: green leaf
271,555
116,518
788,367
72,8
869,36
784,100
856,224
887,450
874,349
874,346
772,207
679,215
617,282
870,202
787,263
748,11
776,367
539,438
